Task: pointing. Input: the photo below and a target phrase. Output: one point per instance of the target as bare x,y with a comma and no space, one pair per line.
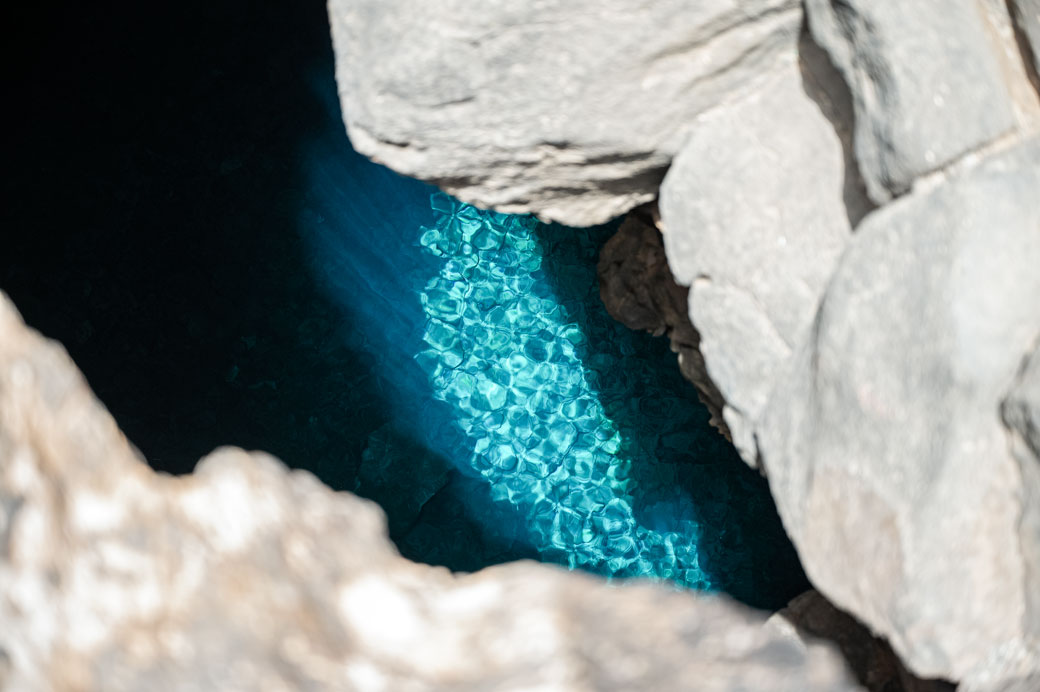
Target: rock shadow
681,468
824,84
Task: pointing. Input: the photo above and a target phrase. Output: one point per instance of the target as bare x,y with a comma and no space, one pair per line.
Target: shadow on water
151,227
681,467
361,224
188,218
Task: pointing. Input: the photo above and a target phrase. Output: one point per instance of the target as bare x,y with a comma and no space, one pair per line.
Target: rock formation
638,289
570,110
244,575
884,444
742,232
874,361
907,81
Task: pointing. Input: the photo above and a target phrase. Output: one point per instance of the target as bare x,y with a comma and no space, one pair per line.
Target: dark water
188,218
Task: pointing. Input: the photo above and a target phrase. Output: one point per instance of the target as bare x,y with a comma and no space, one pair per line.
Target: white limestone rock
570,109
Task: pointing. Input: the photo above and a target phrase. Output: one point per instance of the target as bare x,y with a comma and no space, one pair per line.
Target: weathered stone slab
570,109
925,81
245,576
885,447
754,222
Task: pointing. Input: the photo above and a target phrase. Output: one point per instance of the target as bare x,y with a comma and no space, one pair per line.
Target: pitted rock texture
570,109
638,290
244,575
925,82
756,256
885,445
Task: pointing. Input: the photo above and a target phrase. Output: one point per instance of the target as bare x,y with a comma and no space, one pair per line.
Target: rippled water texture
226,269
584,429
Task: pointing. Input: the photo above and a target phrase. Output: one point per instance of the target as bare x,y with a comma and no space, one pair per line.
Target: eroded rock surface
885,445
638,290
925,81
244,575
570,109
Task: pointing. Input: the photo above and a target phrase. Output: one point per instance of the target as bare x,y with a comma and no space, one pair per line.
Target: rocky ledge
246,576
849,190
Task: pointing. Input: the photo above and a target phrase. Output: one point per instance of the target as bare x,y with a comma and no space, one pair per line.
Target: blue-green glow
506,415
542,411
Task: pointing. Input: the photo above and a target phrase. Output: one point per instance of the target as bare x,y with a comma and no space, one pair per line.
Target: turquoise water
567,417
523,421
226,270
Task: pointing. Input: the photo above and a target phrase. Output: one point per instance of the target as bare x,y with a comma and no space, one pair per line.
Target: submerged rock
571,110
638,290
244,575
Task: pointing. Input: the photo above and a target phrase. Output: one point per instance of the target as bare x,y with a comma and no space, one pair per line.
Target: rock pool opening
226,270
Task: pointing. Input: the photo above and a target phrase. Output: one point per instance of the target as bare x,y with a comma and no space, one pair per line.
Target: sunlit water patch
585,429
500,413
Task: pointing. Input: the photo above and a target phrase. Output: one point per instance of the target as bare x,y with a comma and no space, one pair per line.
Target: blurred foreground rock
246,576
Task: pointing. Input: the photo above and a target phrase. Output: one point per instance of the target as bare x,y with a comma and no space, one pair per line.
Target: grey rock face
926,84
570,109
247,576
754,223
885,443
638,290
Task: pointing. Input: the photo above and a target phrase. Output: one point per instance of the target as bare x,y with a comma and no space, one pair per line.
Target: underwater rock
571,110
638,290
754,221
926,83
244,575
390,455
885,445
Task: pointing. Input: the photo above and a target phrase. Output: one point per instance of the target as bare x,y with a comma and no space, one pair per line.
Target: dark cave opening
168,165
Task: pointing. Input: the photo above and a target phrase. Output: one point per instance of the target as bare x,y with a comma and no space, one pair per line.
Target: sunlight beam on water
517,368
521,420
